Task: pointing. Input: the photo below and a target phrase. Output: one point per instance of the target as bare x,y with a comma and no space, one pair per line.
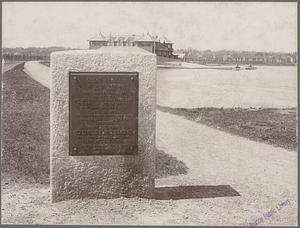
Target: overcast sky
256,26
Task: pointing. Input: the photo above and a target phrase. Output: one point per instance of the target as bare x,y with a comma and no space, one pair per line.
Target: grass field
45,63
273,126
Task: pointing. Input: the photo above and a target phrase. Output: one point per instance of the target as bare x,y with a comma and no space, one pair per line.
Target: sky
250,26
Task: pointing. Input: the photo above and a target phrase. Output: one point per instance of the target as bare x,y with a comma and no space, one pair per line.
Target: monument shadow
167,165
194,192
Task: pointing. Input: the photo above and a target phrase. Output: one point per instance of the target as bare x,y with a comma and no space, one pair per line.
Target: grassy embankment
45,63
26,132
272,126
25,127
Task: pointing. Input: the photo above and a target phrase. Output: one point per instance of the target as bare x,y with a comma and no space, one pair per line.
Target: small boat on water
250,67
237,67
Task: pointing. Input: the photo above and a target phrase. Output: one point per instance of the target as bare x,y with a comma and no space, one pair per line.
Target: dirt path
38,72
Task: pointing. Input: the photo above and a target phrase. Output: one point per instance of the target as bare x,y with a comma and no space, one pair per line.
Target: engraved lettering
103,113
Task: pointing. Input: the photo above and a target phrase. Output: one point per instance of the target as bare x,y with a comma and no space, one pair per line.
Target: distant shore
200,67
171,63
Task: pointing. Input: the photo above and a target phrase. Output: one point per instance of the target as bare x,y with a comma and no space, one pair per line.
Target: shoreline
214,67
202,68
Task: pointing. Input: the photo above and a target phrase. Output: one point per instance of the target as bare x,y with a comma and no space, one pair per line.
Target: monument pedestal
102,123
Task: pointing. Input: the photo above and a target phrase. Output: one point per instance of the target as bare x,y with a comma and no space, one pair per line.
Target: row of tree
190,54
247,57
31,53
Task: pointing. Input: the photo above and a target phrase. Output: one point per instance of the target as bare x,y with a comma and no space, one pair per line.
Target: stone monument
102,123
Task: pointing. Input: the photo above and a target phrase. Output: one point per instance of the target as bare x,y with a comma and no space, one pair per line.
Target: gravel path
38,72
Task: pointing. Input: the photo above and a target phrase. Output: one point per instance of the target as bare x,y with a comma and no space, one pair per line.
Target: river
267,86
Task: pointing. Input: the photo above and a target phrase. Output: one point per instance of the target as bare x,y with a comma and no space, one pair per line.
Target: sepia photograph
149,113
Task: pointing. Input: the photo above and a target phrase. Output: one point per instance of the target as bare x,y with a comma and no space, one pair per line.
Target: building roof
98,37
124,50
130,38
145,38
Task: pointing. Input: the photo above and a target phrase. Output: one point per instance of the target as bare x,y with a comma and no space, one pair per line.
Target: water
268,86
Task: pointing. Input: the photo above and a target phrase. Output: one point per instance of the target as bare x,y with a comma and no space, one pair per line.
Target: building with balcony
160,45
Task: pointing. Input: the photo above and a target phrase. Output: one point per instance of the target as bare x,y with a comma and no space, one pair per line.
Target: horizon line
233,50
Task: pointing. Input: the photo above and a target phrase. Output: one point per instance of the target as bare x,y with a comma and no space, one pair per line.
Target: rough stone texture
102,176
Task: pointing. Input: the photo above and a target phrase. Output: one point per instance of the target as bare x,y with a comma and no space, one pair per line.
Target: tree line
247,57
